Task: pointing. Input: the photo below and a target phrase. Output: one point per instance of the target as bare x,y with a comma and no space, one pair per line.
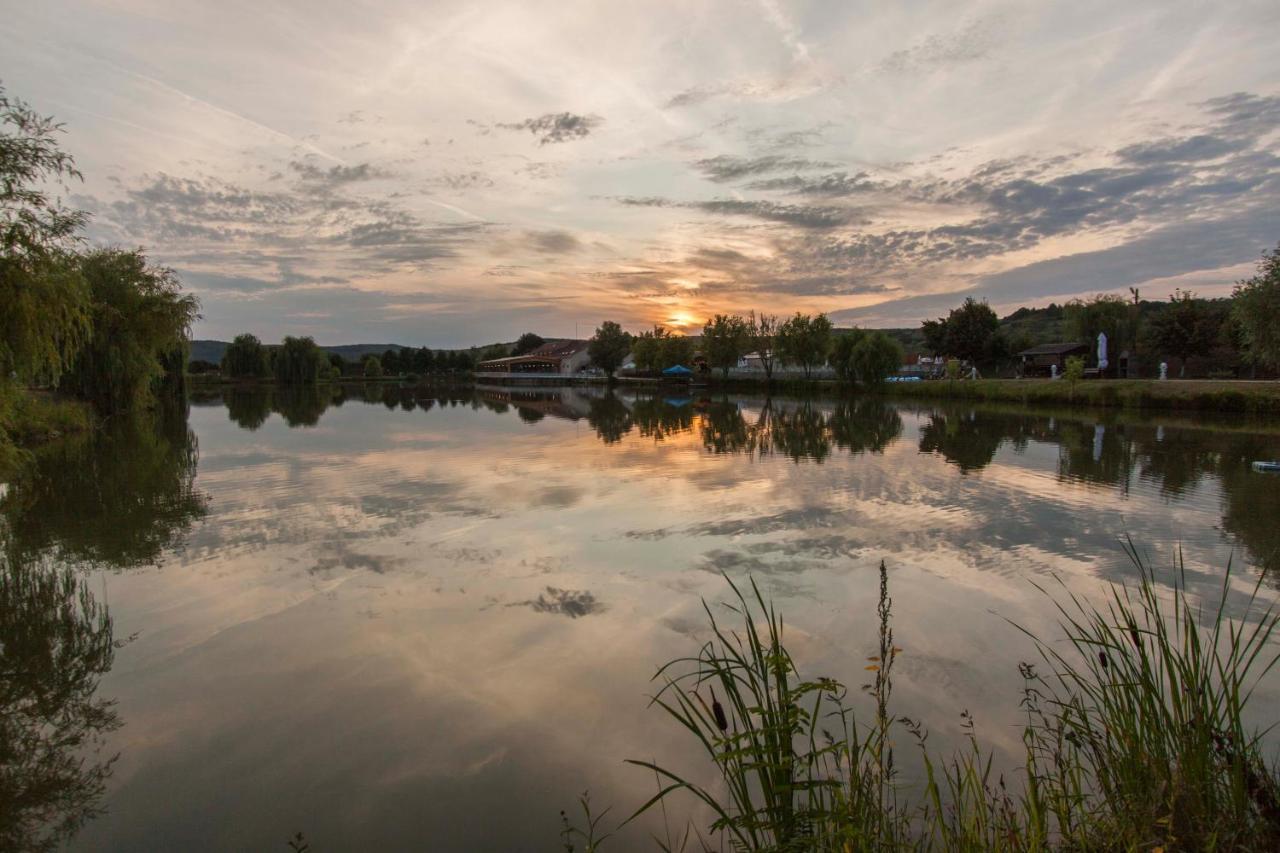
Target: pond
411,619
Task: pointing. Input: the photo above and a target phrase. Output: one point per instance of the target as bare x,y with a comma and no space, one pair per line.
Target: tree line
300,360
1238,335
803,341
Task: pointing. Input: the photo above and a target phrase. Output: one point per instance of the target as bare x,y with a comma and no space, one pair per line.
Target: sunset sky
457,173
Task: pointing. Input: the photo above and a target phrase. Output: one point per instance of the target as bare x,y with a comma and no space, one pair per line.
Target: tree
46,310
724,341
1084,320
842,353
245,358
646,349
423,360
875,357
527,343
673,350
805,340
935,336
1073,372
390,361
140,316
371,367
299,361
609,348
1255,307
1184,328
973,332
763,332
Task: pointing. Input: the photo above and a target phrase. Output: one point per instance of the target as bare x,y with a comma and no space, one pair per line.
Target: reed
1134,737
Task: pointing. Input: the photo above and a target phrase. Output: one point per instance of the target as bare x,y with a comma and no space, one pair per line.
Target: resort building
564,358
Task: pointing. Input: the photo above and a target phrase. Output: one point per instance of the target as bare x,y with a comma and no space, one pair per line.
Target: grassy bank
1134,739
31,418
1262,397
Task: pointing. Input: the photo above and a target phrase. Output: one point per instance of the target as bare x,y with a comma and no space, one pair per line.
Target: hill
207,350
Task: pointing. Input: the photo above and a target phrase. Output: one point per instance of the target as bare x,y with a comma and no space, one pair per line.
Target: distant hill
206,350
211,351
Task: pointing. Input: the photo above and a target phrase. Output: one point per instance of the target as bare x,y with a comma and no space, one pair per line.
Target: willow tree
246,358
140,317
300,362
45,317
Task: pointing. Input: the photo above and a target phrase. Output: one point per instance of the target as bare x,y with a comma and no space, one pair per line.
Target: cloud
557,127
970,44
335,176
800,216
552,242
725,168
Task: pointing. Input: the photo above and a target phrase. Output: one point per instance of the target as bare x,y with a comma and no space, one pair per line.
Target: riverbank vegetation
105,327
1259,398
1135,737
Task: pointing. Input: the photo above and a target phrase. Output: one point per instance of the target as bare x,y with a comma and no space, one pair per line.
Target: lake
397,619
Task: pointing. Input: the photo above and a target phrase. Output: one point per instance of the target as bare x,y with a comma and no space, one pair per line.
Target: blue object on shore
677,370
1266,466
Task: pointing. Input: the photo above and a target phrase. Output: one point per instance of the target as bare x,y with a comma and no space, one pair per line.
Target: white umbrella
1102,350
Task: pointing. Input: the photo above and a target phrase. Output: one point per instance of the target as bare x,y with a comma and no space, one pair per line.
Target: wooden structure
1040,361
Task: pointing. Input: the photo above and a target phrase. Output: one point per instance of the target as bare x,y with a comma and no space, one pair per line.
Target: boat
1264,465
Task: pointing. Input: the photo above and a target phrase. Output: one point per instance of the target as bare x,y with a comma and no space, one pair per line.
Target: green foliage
1255,309
805,340
140,319
650,350
724,341
842,353
675,349
371,367
1104,313
299,361
875,358
1187,327
246,358
527,343
609,348
1134,737
953,369
45,319
424,361
1073,370
389,363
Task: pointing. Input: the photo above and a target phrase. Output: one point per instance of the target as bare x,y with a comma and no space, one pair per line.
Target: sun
681,320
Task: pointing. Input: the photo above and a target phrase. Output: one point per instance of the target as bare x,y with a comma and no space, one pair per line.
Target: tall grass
1134,737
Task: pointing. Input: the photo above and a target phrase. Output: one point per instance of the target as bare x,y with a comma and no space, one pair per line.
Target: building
554,357
1041,360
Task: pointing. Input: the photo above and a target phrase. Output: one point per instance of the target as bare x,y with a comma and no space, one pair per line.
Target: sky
449,174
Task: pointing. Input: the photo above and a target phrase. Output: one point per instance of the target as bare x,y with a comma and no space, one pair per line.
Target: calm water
408,622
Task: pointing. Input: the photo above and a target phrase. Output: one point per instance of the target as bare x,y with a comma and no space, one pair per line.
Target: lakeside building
1040,361
563,358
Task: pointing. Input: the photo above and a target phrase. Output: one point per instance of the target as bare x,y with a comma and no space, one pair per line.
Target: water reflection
1104,449
56,643
118,497
397,577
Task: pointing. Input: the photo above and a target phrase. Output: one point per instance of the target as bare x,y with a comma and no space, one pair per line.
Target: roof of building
1054,349
559,349
550,351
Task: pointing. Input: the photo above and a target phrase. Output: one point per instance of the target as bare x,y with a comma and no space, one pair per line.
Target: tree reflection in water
116,497
56,643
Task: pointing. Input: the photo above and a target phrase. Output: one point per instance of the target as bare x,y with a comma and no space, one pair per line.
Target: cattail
717,710
1102,659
